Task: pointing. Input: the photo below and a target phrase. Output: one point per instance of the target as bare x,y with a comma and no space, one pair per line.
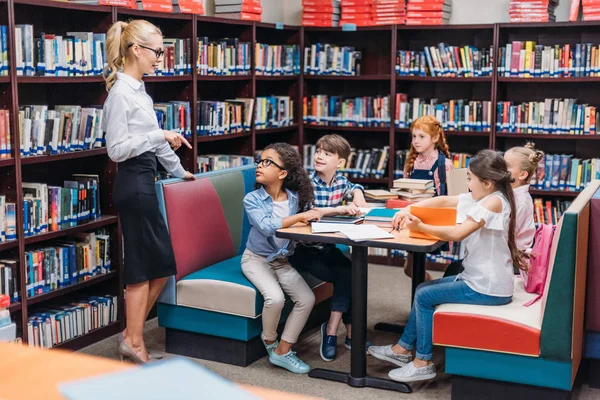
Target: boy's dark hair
297,179
335,144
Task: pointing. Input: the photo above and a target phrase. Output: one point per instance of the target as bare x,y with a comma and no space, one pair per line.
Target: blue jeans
329,265
431,294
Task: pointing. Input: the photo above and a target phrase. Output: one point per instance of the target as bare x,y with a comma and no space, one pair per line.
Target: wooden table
31,373
358,365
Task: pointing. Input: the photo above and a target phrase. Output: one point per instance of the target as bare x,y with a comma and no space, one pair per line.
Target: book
343,219
432,216
381,214
379,194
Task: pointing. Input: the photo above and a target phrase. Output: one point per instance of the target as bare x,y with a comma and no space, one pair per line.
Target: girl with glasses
135,141
282,196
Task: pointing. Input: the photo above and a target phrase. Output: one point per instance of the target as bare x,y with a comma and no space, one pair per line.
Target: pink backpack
535,278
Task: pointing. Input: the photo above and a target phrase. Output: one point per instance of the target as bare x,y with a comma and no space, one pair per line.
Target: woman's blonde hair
529,158
431,126
120,37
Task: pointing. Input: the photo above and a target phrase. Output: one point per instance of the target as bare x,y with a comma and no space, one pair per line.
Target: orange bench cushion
512,328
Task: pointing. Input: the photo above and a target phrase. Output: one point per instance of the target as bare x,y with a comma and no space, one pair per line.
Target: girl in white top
135,141
522,163
486,227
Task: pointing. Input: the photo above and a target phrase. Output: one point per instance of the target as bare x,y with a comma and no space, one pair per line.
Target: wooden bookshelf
379,46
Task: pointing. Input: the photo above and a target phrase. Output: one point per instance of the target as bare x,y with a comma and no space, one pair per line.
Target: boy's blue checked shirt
332,196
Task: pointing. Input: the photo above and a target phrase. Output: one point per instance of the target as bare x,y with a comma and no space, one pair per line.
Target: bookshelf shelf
443,79
174,78
346,128
8,245
383,77
59,79
100,222
481,134
558,193
7,162
151,14
64,5
91,337
276,130
200,139
64,156
277,78
4,79
546,136
204,78
591,79
71,288
15,307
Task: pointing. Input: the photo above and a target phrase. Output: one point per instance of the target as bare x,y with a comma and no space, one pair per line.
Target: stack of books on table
247,10
532,10
413,189
321,13
428,12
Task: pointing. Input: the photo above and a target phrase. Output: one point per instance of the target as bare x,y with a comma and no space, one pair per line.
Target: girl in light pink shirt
522,162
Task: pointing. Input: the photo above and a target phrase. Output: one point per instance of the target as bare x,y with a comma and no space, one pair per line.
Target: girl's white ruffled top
488,263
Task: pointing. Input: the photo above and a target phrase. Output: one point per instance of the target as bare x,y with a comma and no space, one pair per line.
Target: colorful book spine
360,112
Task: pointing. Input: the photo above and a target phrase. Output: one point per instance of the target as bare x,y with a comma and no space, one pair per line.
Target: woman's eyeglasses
266,162
157,52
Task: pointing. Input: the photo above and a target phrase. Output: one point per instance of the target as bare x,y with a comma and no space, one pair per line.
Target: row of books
330,59
219,57
276,60
551,116
49,208
8,280
175,116
63,263
72,54
445,60
366,111
532,10
565,172
215,162
548,211
362,163
224,117
459,114
527,59
56,324
274,112
65,129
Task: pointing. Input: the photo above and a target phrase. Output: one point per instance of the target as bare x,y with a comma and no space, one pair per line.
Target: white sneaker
386,353
410,373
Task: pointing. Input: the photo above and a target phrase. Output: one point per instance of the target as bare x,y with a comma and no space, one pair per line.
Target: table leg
358,366
417,278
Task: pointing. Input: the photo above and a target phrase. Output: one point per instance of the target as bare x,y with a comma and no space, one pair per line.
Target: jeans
431,294
330,265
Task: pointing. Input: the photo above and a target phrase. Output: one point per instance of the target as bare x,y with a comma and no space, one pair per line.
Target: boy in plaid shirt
325,261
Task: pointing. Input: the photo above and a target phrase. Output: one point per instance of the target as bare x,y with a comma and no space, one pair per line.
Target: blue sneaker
290,362
328,348
348,344
270,347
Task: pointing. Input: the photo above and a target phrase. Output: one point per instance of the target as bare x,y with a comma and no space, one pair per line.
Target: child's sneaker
410,373
290,362
270,347
348,344
386,353
328,348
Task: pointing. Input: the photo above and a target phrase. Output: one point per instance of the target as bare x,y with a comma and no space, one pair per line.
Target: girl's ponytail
114,37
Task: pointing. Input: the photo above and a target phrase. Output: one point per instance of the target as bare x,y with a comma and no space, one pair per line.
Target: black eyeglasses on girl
266,162
157,52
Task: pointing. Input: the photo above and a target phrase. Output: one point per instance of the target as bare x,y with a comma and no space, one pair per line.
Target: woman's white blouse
132,128
488,263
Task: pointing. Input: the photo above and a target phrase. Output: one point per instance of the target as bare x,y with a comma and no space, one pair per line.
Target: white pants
272,280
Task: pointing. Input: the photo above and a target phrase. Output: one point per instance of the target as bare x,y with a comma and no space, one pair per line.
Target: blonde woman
135,141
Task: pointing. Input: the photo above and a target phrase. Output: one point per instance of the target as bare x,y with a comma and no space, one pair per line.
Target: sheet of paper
360,233
327,227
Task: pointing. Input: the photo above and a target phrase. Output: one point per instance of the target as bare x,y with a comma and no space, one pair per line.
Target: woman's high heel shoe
152,355
126,351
